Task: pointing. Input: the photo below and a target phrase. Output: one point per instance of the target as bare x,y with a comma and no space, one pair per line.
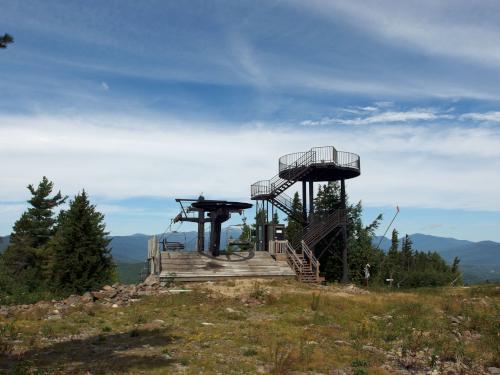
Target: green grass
291,328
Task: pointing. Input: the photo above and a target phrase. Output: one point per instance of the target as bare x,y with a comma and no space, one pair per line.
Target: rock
114,305
54,317
99,295
107,288
494,370
87,297
178,291
207,324
231,311
152,280
341,342
158,321
373,349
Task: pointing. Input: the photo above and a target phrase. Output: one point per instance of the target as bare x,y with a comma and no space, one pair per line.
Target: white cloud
486,116
104,86
421,166
446,28
381,118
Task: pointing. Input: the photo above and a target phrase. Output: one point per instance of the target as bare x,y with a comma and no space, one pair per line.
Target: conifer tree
294,228
80,257
276,219
25,256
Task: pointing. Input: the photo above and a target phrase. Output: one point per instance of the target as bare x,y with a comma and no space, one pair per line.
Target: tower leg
345,265
311,199
201,231
304,201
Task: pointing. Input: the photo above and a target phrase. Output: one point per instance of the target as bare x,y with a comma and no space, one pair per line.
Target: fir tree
80,257
26,255
294,228
276,219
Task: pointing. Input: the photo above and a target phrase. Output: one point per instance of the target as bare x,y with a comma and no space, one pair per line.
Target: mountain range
479,261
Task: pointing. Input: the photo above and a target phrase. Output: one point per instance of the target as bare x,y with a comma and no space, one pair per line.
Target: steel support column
345,266
311,199
201,231
304,201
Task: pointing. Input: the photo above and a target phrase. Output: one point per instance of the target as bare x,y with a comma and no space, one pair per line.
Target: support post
201,231
304,201
345,265
311,199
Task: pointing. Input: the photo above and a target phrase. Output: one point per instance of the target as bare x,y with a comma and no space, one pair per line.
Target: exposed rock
494,370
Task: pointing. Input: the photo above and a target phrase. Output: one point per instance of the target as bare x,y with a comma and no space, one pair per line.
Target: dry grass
248,326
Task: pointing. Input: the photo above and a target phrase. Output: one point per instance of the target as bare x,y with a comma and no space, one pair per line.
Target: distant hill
479,261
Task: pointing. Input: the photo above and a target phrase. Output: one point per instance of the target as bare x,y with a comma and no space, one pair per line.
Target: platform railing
319,155
276,185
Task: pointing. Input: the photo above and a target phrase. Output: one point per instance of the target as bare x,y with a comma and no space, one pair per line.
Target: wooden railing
293,259
312,259
277,247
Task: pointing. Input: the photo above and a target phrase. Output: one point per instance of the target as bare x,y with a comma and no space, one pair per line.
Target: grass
292,328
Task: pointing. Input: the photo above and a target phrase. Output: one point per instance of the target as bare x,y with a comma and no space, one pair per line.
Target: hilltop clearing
256,326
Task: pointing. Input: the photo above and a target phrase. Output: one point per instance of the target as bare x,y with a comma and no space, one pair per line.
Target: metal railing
321,227
319,155
276,185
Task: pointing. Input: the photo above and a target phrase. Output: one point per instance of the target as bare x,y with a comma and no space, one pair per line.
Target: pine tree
25,256
294,228
276,219
80,257
394,242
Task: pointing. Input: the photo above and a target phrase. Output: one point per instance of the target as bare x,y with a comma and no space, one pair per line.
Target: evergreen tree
80,257
394,242
276,219
25,256
294,228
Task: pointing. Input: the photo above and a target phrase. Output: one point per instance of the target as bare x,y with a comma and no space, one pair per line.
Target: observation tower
319,164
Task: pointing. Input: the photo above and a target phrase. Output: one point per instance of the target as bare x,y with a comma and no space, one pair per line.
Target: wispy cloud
448,28
484,117
380,117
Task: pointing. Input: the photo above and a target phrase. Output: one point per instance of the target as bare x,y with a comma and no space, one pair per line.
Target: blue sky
136,101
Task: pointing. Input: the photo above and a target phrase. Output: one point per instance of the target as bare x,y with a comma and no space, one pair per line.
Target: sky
139,102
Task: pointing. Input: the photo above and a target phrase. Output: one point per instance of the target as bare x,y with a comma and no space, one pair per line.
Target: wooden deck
192,266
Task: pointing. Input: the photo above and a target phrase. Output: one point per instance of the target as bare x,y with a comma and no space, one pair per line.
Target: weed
250,352
258,292
359,367
106,329
281,357
315,299
47,330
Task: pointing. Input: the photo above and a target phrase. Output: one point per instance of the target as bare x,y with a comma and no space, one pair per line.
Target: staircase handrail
331,220
312,259
292,258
